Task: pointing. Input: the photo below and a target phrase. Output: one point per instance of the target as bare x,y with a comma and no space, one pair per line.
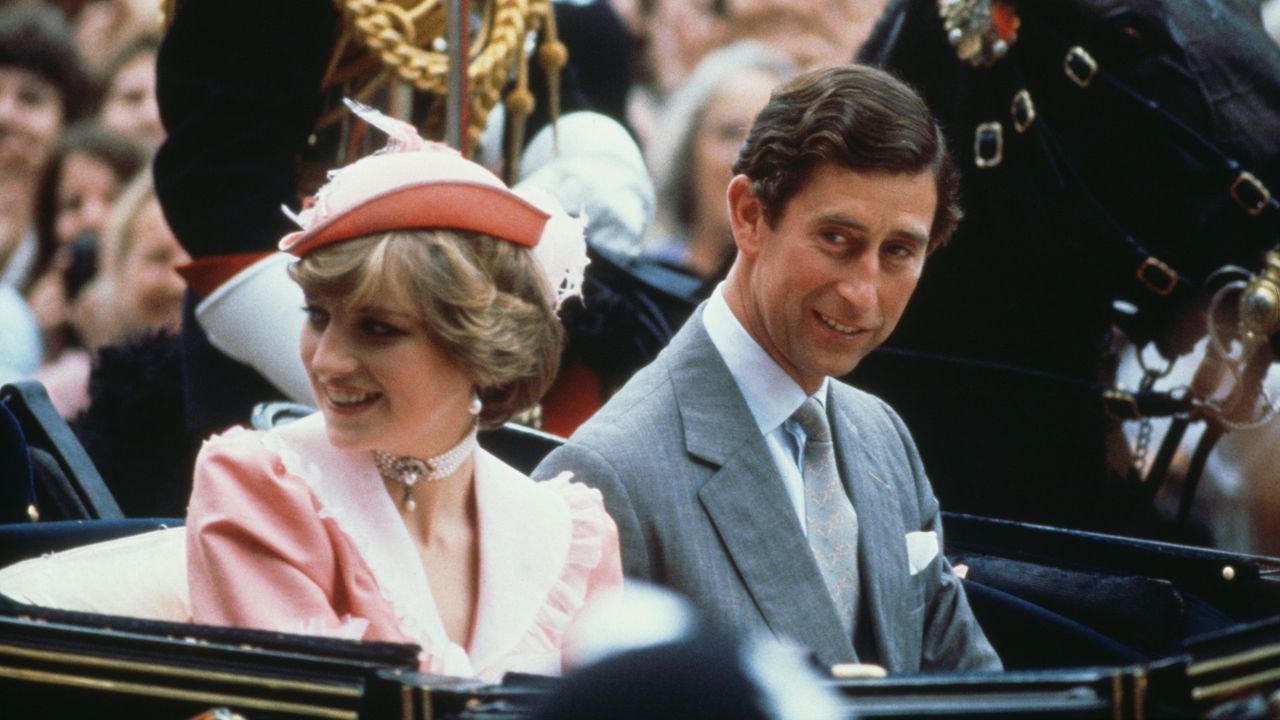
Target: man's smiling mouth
838,327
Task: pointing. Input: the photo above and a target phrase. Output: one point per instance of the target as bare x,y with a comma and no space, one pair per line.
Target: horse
1116,157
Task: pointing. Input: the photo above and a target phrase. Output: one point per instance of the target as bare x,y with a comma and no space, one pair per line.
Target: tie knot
812,418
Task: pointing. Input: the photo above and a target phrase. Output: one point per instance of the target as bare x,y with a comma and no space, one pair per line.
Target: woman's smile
382,381
347,399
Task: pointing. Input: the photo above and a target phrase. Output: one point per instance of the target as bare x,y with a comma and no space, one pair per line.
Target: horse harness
984,35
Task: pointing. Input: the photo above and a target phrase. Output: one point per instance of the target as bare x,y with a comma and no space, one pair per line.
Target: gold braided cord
385,40
402,35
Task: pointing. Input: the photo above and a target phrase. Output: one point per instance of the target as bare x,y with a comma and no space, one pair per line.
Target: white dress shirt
771,394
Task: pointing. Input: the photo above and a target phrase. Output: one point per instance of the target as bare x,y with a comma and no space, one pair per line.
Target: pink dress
287,533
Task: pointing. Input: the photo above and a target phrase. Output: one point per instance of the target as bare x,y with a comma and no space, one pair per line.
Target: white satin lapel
524,532
351,491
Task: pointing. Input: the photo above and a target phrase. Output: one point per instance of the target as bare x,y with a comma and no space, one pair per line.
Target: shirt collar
771,394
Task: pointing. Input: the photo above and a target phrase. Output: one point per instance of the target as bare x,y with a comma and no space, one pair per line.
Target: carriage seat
142,576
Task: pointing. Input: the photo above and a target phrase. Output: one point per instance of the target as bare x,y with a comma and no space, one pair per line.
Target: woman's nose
331,355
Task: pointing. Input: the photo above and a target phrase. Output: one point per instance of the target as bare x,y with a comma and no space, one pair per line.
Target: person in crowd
704,125
87,169
129,104
671,37
431,293
103,27
668,40
137,287
42,88
775,497
808,33
134,292
42,85
126,407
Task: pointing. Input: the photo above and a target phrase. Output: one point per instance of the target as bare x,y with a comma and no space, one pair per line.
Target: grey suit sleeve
953,639
591,468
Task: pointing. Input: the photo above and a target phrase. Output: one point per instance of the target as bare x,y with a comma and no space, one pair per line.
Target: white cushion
142,576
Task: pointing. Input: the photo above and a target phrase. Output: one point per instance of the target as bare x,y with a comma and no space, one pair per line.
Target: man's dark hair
37,37
856,117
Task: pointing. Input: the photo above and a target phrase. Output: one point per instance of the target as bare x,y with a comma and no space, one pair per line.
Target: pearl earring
476,406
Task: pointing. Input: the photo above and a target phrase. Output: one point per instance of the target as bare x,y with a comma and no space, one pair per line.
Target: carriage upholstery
142,575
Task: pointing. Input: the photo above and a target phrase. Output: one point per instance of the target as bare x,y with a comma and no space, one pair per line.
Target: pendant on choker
409,471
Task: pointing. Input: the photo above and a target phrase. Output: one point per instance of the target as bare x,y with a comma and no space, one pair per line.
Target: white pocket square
922,548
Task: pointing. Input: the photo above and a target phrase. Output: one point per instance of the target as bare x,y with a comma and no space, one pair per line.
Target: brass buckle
1157,276
988,145
1117,399
1080,66
1022,110
1262,195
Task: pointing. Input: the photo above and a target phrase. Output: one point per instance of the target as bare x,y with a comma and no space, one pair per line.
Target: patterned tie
829,515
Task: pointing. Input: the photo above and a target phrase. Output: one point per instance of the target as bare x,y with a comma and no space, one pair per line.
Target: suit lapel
882,553
746,502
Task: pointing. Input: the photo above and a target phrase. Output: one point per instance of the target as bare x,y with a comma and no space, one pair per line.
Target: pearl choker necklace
409,471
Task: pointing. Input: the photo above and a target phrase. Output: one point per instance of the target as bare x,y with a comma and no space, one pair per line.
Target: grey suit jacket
699,508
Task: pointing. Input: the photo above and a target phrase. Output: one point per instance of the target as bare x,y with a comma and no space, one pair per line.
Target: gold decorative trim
1252,655
1235,686
1117,696
1139,694
177,672
210,698
406,702
407,37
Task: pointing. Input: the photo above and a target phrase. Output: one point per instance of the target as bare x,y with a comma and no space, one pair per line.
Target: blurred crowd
87,258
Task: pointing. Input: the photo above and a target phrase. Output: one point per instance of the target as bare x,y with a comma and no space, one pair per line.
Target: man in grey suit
712,460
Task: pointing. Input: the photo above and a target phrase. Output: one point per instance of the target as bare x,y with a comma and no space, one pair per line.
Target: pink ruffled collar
538,545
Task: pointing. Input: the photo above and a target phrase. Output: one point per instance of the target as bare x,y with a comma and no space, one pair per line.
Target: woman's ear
746,215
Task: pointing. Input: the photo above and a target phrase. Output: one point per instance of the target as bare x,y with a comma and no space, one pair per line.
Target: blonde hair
484,300
116,241
117,234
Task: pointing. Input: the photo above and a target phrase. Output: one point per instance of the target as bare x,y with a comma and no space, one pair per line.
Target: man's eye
835,238
903,251
316,317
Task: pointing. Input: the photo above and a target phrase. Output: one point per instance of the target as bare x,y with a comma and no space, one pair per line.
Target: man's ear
746,215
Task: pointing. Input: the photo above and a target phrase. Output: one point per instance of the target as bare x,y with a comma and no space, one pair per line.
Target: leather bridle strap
1244,188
